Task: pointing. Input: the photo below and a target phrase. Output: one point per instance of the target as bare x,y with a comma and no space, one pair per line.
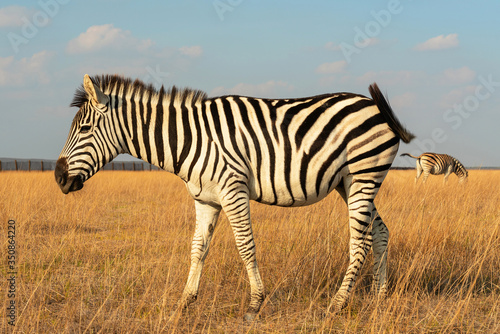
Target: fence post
41,162
112,166
29,165
15,162
123,166
0,165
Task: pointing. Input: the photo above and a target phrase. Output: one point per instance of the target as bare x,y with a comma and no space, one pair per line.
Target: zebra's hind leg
206,220
380,241
419,171
360,195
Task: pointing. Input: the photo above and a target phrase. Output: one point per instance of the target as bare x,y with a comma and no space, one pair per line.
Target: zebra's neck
155,125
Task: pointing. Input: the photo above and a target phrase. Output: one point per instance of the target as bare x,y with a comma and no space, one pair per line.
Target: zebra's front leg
206,220
237,208
360,226
380,241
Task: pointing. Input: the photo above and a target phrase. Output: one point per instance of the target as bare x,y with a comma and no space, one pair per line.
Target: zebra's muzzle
65,182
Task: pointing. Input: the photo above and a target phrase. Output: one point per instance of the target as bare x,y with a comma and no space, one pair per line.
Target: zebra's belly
280,194
436,171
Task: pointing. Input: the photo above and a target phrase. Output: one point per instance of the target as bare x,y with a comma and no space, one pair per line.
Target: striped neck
154,125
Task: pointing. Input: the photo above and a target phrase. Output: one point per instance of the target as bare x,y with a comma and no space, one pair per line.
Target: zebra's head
463,178
461,172
90,144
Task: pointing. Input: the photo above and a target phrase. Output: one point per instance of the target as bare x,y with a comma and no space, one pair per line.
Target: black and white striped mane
126,87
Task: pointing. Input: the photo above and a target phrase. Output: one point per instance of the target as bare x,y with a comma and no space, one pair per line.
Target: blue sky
437,61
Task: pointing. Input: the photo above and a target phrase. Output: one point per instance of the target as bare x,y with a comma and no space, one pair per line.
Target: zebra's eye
85,128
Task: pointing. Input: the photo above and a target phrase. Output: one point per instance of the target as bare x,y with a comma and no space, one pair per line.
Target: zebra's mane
125,87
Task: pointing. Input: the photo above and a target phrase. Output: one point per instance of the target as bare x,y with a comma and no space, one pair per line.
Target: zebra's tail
386,110
408,154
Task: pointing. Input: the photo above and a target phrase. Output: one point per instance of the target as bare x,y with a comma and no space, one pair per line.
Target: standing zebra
435,164
232,149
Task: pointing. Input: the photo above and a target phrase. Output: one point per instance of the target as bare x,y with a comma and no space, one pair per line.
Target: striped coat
233,149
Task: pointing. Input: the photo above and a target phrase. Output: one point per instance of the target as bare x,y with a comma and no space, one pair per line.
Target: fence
47,165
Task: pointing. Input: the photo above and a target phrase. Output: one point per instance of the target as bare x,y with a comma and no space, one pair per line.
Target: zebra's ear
94,92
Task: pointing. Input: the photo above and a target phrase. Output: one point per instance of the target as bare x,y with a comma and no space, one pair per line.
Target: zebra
231,149
435,164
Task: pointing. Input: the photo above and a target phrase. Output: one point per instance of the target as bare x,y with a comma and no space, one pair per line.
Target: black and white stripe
435,164
233,149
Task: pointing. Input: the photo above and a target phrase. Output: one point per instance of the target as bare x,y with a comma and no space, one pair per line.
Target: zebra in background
232,149
435,164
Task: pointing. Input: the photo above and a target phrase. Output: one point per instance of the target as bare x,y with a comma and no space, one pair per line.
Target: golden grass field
114,257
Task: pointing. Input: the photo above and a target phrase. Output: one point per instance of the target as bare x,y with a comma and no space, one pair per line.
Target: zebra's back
295,151
436,163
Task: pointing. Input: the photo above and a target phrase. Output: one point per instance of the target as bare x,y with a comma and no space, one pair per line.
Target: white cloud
191,51
108,49
106,37
271,89
12,16
440,42
329,68
457,76
24,71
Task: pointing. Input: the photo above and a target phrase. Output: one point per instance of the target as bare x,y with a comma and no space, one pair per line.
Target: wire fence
48,165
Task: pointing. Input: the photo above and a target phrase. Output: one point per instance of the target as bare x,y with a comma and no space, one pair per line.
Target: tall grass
114,258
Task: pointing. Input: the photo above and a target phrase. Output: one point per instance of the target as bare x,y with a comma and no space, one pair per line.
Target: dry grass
114,257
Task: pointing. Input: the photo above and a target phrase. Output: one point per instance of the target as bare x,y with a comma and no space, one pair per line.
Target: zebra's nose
61,171
67,183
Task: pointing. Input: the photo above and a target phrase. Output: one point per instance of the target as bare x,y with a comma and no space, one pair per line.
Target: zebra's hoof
337,305
382,295
173,316
250,317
